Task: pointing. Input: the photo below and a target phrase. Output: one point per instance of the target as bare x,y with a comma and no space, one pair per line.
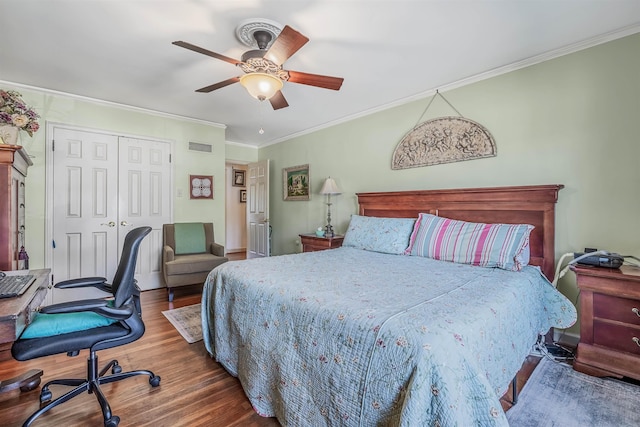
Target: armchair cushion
183,264
189,238
46,325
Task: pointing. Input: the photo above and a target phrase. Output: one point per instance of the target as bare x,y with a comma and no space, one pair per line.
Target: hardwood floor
194,391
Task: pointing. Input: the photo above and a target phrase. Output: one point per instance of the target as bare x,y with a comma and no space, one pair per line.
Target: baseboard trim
235,251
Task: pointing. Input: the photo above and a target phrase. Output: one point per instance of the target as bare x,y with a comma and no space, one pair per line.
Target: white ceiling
387,51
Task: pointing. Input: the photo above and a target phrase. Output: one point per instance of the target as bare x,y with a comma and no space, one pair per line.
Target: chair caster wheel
116,369
112,422
154,381
45,396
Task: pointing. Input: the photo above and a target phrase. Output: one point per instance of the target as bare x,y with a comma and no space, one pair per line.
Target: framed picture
238,177
201,186
243,196
296,182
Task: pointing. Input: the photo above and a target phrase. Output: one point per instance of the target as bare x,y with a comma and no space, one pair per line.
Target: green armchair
189,253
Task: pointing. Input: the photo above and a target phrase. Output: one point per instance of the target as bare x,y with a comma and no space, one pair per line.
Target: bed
357,336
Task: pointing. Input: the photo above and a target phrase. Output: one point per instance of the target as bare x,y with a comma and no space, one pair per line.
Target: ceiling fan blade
288,42
205,52
326,82
277,101
218,85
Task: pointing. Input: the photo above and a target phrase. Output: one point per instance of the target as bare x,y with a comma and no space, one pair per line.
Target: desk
15,315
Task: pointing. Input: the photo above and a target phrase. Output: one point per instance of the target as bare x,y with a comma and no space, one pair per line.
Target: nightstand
311,242
609,322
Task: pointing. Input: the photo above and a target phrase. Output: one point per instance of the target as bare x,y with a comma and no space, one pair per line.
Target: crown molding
114,104
573,48
241,144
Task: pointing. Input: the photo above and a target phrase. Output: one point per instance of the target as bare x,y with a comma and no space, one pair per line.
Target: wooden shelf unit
14,162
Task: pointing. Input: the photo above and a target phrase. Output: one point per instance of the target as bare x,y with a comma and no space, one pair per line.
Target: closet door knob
124,223
109,224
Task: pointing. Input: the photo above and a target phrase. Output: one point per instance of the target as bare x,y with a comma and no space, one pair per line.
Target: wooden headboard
533,205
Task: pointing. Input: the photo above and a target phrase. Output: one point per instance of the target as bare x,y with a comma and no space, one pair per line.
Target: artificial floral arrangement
13,111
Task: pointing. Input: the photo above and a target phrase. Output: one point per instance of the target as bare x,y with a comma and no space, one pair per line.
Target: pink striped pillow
485,245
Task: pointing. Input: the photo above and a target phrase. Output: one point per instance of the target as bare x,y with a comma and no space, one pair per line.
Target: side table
609,322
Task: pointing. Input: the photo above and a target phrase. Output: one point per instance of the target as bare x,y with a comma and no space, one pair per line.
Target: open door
258,228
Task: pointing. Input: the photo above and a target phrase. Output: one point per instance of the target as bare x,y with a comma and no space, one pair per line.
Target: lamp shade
261,85
330,187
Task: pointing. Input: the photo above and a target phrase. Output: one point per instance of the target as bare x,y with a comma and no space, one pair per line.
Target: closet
102,185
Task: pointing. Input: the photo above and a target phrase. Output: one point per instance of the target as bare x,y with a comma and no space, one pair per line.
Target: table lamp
330,187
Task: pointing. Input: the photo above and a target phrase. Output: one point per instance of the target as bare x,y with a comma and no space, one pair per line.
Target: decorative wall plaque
443,140
201,186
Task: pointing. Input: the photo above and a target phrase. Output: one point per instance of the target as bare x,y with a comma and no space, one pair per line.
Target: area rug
187,321
556,395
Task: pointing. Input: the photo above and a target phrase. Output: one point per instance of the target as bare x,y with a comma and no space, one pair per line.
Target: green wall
571,120
91,115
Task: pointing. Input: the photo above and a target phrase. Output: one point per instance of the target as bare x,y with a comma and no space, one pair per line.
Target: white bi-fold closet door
104,186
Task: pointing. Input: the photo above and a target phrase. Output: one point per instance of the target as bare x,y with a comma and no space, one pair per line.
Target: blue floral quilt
349,337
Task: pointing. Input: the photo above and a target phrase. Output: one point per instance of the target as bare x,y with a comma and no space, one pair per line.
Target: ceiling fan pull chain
431,101
261,116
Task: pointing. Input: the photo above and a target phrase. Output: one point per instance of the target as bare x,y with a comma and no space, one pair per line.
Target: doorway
235,209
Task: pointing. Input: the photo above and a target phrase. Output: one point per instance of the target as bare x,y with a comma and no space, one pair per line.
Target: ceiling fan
264,75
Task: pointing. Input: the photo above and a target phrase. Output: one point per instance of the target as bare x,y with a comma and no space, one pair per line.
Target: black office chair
122,316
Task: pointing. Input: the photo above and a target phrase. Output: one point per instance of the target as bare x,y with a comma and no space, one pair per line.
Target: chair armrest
216,249
120,313
99,306
167,253
73,306
84,282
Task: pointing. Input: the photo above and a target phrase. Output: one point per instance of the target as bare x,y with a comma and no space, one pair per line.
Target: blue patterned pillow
386,235
504,246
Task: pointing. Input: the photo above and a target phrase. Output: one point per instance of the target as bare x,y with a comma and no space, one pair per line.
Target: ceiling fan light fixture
261,86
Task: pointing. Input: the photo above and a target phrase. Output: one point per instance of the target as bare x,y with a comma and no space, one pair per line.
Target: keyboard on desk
15,285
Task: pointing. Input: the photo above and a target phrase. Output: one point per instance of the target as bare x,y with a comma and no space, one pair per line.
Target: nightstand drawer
618,337
615,308
313,248
312,243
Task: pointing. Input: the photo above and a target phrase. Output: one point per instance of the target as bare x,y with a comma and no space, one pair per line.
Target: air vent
204,148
